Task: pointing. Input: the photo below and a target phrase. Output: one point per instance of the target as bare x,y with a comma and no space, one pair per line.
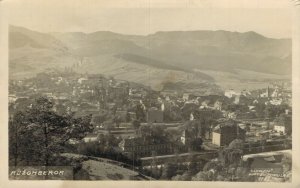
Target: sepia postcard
150,93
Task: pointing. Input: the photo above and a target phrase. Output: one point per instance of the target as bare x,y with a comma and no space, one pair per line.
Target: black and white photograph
150,91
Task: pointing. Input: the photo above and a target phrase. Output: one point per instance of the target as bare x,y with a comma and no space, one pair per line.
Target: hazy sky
272,18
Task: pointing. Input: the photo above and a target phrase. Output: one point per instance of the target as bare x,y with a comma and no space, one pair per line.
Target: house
185,96
91,138
275,93
264,135
251,108
226,132
204,104
117,92
218,105
167,98
245,93
209,113
73,141
122,114
191,117
155,115
280,129
237,99
12,98
231,115
287,112
230,93
82,80
276,101
132,115
169,93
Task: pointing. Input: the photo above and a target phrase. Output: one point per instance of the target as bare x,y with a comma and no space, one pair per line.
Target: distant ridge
163,52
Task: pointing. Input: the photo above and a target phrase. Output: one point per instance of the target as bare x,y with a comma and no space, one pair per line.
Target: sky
271,18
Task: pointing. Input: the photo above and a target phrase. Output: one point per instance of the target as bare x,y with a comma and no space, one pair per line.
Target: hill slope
177,56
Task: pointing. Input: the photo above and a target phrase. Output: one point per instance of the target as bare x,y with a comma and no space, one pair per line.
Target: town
167,134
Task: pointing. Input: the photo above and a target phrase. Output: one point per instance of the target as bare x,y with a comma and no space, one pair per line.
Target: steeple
268,92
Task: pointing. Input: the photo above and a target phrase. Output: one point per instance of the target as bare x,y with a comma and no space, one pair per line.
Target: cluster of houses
116,104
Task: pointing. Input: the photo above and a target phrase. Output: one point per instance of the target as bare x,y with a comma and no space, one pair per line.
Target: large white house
279,128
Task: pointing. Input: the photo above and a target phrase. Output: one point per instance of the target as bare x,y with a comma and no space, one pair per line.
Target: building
122,115
231,93
204,104
230,115
175,124
245,93
82,80
226,132
266,94
117,92
276,101
209,113
218,105
155,115
279,129
73,141
141,147
237,99
169,93
185,96
118,132
91,138
12,98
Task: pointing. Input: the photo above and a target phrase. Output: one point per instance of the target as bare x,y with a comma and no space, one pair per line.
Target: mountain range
198,59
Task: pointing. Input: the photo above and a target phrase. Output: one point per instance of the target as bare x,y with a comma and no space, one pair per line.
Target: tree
232,154
204,176
117,120
98,119
44,132
184,177
193,134
213,165
145,130
172,113
194,128
172,135
194,165
196,144
128,118
237,144
153,133
157,131
169,171
16,136
108,125
187,109
140,113
136,124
